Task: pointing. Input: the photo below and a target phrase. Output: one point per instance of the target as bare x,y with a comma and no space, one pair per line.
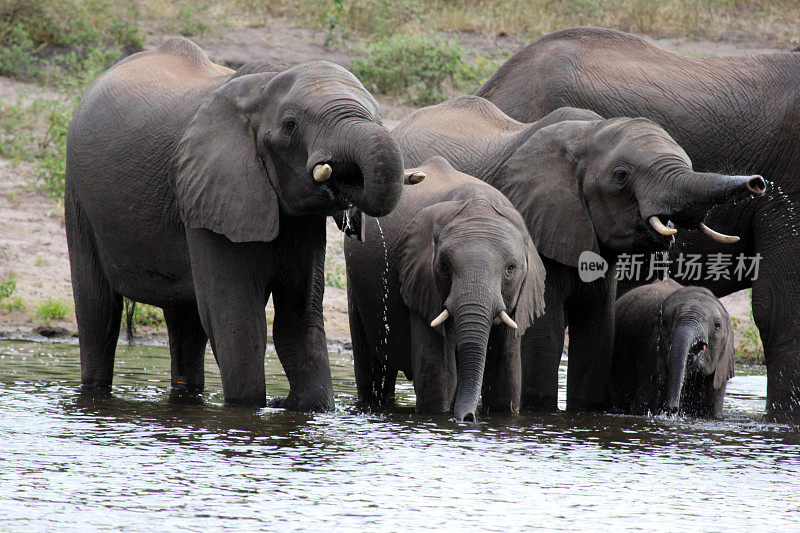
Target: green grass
8,287
335,273
530,19
51,309
9,305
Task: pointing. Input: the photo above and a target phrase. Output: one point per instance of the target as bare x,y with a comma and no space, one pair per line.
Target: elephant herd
204,191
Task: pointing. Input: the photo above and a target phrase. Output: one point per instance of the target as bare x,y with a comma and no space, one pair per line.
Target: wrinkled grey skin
732,114
673,351
452,243
190,187
581,183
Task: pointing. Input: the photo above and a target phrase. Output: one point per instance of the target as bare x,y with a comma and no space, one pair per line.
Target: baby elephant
442,289
673,351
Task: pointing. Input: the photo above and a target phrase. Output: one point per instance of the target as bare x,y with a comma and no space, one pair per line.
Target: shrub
51,309
412,67
8,286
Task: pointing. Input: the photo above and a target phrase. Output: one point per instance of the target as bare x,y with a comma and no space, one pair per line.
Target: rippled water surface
134,461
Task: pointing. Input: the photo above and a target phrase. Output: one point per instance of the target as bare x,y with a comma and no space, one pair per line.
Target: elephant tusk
719,237
660,227
322,173
507,319
412,177
439,320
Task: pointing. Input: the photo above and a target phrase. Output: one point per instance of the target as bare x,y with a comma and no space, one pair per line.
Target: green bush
51,309
412,67
53,27
8,286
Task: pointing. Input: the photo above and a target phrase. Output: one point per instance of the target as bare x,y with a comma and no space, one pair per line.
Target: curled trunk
376,160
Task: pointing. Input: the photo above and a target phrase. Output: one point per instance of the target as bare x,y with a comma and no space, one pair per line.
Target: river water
135,462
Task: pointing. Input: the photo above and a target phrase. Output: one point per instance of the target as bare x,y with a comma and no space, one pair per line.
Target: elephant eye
621,176
717,324
289,125
510,268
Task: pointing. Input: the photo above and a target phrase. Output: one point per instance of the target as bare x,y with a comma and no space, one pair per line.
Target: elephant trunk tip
468,417
756,184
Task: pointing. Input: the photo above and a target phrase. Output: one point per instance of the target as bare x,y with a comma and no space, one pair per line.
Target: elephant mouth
696,350
345,186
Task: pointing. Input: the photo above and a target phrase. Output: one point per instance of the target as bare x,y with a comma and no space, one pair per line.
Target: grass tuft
51,309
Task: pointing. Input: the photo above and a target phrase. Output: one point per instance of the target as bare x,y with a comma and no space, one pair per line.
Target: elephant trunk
472,324
372,177
697,192
688,339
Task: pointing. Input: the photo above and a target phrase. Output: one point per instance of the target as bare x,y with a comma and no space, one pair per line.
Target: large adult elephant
441,289
585,185
732,114
202,191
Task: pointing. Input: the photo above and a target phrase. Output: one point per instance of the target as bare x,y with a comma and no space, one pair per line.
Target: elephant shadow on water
203,191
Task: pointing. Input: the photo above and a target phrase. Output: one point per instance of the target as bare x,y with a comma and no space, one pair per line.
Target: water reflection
133,461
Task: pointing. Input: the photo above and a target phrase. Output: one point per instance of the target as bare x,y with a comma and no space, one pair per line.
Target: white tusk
660,227
322,173
507,319
719,237
439,320
412,177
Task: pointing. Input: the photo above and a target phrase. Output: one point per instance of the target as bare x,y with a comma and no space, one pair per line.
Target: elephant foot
96,387
540,402
322,401
182,392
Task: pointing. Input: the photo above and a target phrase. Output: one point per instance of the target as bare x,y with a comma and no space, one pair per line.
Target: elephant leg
187,347
543,344
434,366
229,281
776,309
590,315
502,377
98,308
375,381
299,330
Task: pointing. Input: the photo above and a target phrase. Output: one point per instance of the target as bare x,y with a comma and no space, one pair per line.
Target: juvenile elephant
673,351
586,185
202,191
441,289
740,114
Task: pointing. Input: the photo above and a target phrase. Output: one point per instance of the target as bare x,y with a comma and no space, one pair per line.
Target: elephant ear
220,182
417,282
530,304
540,178
724,370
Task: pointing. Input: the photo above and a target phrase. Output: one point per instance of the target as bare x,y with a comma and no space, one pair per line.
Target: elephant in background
673,351
202,191
441,289
581,185
732,114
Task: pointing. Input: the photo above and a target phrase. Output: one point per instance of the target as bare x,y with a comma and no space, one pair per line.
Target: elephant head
304,141
696,351
613,185
467,265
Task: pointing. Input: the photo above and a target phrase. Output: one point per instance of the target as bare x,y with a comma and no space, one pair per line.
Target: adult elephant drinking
202,191
732,114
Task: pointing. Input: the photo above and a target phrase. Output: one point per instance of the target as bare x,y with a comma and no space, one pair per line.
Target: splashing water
385,297
777,192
